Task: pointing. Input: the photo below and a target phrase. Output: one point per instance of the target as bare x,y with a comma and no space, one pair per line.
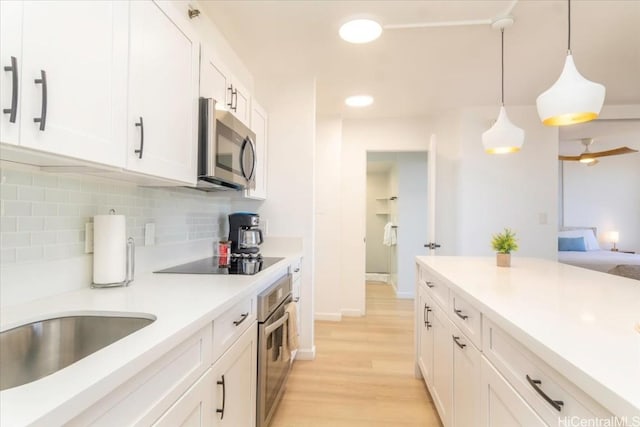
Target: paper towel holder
130,268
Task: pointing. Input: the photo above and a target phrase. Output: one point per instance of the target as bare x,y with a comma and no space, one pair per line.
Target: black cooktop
217,265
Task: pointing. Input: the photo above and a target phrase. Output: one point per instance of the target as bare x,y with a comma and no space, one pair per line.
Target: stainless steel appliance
226,150
213,265
244,234
273,361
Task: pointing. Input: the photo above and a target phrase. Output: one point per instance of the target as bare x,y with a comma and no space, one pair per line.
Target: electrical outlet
88,238
149,234
264,225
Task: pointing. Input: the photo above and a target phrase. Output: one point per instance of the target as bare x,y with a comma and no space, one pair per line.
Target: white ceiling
414,72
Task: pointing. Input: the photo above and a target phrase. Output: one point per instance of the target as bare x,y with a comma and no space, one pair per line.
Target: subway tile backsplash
44,215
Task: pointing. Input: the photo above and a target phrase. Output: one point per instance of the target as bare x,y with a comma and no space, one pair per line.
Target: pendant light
572,98
503,137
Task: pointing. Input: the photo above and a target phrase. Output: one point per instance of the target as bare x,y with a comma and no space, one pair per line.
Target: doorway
396,218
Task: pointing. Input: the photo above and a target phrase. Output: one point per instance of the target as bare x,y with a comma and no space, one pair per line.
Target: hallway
363,374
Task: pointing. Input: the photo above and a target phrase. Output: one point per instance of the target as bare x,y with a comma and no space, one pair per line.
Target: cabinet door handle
430,284
230,103
234,96
14,90
224,397
297,270
296,299
139,151
43,113
460,315
457,341
427,310
243,317
557,404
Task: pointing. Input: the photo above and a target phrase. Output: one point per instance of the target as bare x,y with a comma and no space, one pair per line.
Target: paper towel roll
109,249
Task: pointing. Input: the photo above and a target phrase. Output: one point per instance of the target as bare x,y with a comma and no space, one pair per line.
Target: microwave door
206,137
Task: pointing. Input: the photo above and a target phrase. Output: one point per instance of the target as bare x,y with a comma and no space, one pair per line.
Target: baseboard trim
306,353
404,295
349,312
330,317
377,277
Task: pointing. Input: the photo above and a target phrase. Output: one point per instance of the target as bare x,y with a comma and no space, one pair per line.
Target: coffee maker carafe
244,234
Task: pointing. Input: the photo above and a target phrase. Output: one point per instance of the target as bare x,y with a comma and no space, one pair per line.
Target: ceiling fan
591,158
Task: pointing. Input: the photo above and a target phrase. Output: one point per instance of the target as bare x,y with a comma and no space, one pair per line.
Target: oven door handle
275,325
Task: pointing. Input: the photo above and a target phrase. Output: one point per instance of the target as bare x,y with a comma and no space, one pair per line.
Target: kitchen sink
35,350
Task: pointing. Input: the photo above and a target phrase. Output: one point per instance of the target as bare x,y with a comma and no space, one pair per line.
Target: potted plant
504,243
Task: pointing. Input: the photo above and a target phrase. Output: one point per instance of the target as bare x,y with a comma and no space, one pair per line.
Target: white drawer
534,380
146,396
467,318
230,325
437,288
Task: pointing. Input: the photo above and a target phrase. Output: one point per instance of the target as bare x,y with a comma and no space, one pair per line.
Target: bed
594,258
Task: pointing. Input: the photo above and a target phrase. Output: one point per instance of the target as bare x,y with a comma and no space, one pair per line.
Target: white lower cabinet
194,408
501,405
479,375
234,383
466,381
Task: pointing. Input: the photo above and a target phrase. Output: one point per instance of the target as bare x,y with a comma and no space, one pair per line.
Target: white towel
390,237
290,340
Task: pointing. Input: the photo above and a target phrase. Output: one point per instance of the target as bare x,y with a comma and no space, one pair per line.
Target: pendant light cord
569,28
502,55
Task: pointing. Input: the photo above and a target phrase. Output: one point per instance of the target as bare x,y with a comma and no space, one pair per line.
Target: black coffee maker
244,234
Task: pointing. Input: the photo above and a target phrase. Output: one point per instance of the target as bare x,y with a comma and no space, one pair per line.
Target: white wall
514,190
328,249
289,208
360,136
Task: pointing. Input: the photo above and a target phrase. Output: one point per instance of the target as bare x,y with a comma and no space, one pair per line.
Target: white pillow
590,241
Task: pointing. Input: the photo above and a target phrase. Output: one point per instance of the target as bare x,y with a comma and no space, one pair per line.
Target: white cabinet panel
259,123
425,335
194,408
10,48
501,405
241,102
441,389
235,375
73,79
163,93
466,381
215,82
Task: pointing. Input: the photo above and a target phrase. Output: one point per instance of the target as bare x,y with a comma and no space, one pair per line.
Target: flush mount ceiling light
360,31
359,101
572,98
504,136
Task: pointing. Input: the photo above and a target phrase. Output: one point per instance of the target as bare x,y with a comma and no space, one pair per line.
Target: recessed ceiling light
359,101
360,31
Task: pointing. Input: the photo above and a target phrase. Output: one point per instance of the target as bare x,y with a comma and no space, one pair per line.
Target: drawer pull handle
429,284
557,404
456,340
242,319
460,315
224,397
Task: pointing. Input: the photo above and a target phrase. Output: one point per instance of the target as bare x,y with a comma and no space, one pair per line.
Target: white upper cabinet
217,82
163,93
11,63
72,71
259,125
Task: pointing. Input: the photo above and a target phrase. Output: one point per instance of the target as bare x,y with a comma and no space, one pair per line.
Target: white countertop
182,305
581,322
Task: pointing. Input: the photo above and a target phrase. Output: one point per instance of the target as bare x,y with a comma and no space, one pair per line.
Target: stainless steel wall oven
273,352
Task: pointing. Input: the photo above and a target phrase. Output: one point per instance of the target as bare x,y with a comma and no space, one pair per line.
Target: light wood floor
363,374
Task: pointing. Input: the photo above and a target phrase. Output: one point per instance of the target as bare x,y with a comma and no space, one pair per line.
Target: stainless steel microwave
226,150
